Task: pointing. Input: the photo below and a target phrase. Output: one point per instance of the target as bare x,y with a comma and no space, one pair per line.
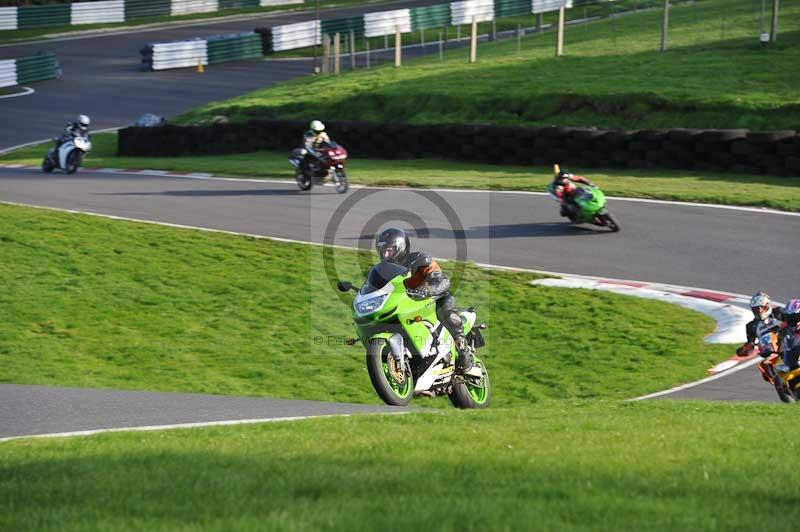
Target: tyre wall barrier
38,67
116,11
736,150
381,23
213,50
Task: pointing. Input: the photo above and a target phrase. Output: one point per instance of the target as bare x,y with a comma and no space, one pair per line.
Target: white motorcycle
68,156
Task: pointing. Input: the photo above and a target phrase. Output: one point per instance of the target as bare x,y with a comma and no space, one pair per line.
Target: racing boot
465,360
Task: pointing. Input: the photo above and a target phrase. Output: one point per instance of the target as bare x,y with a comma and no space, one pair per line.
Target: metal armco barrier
28,69
116,11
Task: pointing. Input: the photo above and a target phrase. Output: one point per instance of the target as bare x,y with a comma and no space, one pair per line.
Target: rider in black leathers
427,280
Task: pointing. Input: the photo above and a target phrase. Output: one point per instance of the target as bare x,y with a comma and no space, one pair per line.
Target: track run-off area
682,244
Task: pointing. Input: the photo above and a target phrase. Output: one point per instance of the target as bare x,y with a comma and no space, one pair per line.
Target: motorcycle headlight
368,306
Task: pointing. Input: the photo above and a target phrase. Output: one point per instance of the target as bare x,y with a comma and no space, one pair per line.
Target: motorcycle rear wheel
340,180
47,164
469,394
392,392
783,394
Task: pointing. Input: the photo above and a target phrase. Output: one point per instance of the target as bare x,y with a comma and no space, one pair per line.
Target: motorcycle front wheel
609,222
340,180
784,394
303,183
380,373
471,392
73,161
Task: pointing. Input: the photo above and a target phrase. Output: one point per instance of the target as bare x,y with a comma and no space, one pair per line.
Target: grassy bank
566,465
707,187
715,75
98,303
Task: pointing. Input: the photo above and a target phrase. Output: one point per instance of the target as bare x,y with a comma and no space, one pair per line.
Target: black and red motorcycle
310,171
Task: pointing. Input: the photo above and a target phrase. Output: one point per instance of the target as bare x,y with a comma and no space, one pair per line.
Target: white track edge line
211,177
26,91
725,373
482,265
198,424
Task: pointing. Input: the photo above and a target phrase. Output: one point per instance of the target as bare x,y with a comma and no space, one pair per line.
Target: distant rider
767,320
564,189
78,128
427,280
312,140
791,339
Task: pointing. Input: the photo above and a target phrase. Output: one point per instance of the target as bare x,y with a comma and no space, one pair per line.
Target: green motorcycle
591,202
409,352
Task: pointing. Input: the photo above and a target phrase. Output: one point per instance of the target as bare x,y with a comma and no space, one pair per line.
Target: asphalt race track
103,76
36,410
715,249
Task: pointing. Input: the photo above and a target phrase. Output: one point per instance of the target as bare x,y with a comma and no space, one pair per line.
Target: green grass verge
707,187
569,466
98,303
12,36
715,75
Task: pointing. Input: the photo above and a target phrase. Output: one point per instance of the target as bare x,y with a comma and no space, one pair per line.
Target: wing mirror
344,286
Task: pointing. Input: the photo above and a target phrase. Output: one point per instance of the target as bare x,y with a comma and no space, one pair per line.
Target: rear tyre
472,393
392,392
73,161
611,223
780,387
340,180
47,164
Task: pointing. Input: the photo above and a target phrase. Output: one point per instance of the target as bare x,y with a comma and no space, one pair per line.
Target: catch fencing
117,11
39,67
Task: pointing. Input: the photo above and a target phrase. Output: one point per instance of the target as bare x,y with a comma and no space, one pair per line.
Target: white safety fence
463,12
8,73
179,54
300,35
386,22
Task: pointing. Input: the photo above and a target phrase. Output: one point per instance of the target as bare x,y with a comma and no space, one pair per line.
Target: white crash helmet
761,305
317,127
83,121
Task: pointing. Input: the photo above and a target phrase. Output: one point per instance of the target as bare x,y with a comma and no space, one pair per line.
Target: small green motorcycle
409,352
591,202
